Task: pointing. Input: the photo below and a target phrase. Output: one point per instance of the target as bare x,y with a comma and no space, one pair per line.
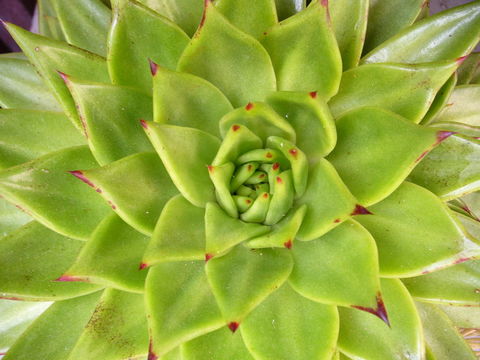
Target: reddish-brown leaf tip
144,124
142,266
80,175
66,277
210,168
233,326
275,166
204,15
313,94
265,196
208,257
288,244
461,59
268,155
153,67
151,354
248,201
64,77
336,221
442,135
236,127
293,152
380,311
279,180
249,106
360,210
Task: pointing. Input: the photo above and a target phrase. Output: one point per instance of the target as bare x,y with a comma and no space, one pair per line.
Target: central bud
256,181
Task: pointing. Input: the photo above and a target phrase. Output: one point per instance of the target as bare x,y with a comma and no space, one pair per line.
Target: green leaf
70,318
186,153
472,201
416,233
137,35
186,100
371,85
311,120
288,326
23,134
372,175
219,345
467,70
462,106
329,206
462,316
447,35
116,330
282,198
286,8
214,57
112,112
441,99
450,170
84,23
11,217
441,337
304,52
48,24
243,278
46,191
459,128
388,17
322,270
181,308
456,285
252,18
237,141
349,21
220,176
136,187
224,232
21,87
111,257
363,336
179,234
51,57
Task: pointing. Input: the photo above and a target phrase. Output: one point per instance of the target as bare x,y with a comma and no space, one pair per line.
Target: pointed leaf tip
461,59
288,244
64,76
153,67
360,210
233,326
380,311
313,94
442,135
208,257
144,124
142,266
249,106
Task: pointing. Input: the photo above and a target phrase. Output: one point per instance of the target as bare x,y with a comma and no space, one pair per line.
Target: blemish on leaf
112,205
142,266
249,167
235,127
66,277
324,3
144,124
248,201
313,94
279,180
380,311
288,244
293,152
476,291
275,166
268,155
261,176
249,106
208,257
153,67
360,210
336,221
265,196
233,326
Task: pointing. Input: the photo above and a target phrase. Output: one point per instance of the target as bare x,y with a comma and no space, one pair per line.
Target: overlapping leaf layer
233,179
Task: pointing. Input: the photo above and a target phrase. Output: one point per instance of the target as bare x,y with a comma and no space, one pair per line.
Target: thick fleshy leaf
288,326
372,175
371,85
139,34
472,202
113,113
286,8
21,87
70,318
237,141
214,57
23,134
310,118
32,257
441,337
51,57
186,153
11,217
116,330
363,336
84,23
456,285
434,238
349,21
111,257
243,278
181,308
387,17
467,70
48,24
328,201
458,128
224,232
304,52
445,36
46,191
441,99
219,345
136,187
452,169
322,268
462,316
179,234
463,106
186,100
252,18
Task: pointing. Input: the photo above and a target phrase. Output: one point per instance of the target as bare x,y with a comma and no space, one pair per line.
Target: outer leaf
416,233
46,12
373,175
452,169
447,35
137,35
243,278
441,99
371,85
23,134
46,191
456,285
11,217
69,317
111,257
186,100
304,52
327,208
462,316
21,87
214,57
136,187
472,202
463,106
113,113
467,70
292,327
117,329
367,337
167,301
286,8
186,153
30,266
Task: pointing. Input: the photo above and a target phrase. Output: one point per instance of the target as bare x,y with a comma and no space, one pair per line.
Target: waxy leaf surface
287,8
463,106
11,217
462,316
441,99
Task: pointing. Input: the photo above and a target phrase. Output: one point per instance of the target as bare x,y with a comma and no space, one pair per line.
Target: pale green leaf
467,70
462,316
11,217
441,99
463,106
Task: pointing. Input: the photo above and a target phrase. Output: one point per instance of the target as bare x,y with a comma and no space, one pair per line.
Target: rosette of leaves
235,180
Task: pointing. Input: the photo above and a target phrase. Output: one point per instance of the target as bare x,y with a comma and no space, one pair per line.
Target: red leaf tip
151,354
80,175
324,3
249,106
66,277
153,67
275,166
313,94
442,135
288,244
233,326
144,124
235,127
360,210
208,257
380,311
142,266
63,76
461,59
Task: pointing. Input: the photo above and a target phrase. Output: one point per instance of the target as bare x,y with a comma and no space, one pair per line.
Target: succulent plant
240,180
